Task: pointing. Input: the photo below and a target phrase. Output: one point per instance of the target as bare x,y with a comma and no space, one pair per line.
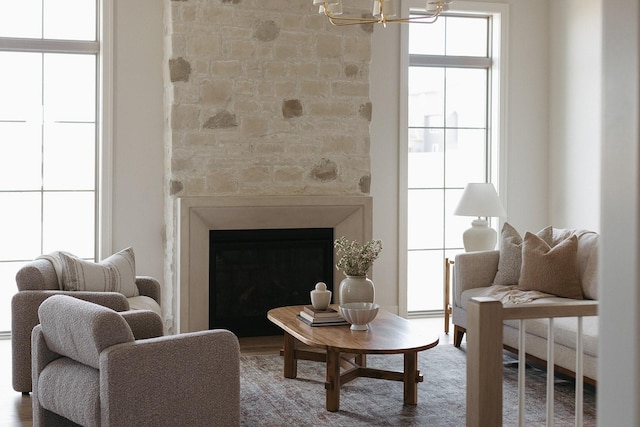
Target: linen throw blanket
54,258
510,294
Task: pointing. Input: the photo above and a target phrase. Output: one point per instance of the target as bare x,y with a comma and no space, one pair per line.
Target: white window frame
105,111
104,151
104,166
499,13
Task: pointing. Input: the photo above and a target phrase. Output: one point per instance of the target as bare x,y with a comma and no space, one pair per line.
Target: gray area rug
269,399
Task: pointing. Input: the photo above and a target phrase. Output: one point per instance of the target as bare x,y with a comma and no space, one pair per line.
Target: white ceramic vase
356,289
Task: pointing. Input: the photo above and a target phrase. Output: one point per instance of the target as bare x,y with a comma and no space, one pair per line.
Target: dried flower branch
356,260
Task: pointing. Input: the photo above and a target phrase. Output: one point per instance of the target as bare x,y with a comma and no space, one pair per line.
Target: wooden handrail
542,311
484,349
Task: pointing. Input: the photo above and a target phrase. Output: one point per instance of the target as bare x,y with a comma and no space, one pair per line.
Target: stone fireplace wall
262,98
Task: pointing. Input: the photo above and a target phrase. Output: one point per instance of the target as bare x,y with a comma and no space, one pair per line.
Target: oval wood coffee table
344,348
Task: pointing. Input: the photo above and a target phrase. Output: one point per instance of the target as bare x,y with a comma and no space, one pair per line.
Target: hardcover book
314,312
314,322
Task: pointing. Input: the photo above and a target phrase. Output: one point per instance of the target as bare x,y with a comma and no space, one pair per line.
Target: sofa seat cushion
565,328
142,302
70,388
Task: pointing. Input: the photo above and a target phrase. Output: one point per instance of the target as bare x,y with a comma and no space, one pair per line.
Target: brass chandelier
384,11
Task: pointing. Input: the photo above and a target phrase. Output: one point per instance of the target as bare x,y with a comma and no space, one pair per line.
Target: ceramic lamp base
479,237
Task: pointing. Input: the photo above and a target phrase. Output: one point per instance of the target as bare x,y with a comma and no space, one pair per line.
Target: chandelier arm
341,21
345,21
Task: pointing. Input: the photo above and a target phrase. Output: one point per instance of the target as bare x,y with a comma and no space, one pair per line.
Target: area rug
269,399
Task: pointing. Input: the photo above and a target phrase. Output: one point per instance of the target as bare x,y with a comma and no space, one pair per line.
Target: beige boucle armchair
90,370
37,281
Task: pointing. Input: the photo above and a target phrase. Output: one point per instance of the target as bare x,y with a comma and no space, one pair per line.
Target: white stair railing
484,356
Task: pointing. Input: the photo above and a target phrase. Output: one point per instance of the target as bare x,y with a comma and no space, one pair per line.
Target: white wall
138,150
385,87
575,107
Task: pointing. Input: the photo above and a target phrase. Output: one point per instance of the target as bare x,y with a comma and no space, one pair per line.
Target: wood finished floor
15,408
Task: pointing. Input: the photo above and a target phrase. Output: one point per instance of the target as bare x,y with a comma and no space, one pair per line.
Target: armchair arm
24,317
473,270
143,323
149,286
192,378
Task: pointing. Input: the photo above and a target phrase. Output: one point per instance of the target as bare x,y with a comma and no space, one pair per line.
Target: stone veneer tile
271,86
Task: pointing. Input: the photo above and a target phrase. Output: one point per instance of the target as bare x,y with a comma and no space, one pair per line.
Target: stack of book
328,317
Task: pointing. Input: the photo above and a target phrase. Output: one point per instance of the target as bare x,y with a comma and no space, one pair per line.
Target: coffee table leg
333,381
290,362
411,378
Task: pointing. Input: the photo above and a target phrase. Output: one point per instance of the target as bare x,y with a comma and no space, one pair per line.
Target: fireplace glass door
253,271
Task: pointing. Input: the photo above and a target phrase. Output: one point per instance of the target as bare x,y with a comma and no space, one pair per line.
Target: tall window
451,114
48,133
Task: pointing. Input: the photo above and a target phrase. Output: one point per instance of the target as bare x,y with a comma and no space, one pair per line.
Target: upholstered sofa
91,368
518,274
39,280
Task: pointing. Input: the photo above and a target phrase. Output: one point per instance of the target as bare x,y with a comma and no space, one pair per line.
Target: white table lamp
480,200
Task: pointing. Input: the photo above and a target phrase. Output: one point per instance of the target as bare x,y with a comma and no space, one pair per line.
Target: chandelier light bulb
334,8
437,6
384,7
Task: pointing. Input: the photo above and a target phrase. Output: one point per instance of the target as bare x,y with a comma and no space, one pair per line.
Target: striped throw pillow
116,273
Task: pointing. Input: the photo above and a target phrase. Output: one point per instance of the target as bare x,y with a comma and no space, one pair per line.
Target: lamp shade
480,199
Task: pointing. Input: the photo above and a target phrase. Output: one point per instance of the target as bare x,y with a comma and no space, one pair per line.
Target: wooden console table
344,348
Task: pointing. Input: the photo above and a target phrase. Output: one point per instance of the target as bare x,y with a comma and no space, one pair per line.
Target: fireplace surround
349,216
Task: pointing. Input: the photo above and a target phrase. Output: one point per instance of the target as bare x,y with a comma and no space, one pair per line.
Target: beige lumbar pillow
510,260
550,270
116,273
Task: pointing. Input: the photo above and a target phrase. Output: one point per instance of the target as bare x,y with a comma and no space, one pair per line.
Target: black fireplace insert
253,271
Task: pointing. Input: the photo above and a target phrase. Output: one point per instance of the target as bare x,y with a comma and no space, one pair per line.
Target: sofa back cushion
81,330
587,258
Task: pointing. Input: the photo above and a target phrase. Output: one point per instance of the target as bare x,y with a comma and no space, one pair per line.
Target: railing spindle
579,375
484,356
550,369
521,372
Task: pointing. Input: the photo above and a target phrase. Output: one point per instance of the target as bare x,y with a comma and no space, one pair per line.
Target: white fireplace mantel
349,216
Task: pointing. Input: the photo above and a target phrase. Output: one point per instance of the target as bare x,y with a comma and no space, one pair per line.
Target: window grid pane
48,139
447,148
49,19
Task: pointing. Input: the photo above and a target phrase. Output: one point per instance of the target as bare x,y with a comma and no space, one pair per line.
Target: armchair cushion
142,302
116,273
68,388
104,328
